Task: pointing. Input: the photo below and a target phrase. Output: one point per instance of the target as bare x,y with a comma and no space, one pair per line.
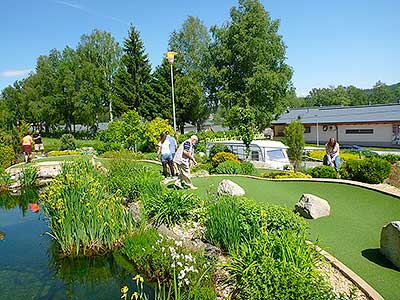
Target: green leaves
294,134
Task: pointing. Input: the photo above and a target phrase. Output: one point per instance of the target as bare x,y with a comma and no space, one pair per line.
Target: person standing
27,146
172,146
37,138
166,157
183,158
332,157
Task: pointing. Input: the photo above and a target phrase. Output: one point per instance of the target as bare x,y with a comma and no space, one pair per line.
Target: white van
263,153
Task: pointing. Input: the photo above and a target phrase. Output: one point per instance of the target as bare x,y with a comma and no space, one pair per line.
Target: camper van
263,153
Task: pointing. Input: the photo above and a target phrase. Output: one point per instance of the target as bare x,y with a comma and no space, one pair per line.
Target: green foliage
6,156
131,86
62,153
247,168
132,180
5,179
277,266
28,176
220,157
392,158
322,172
370,170
24,128
294,134
242,119
169,207
67,142
82,215
218,148
228,167
153,131
249,67
167,262
102,147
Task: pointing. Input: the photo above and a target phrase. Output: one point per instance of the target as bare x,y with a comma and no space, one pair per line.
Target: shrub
5,179
28,176
322,172
102,147
169,207
165,261
294,134
228,167
132,180
6,156
285,174
247,168
392,158
153,131
223,156
277,266
123,154
218,148
370,170
344,155
67,142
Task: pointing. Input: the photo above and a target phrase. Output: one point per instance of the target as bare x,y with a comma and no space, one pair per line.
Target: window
359,131
255,155
307,129
276,154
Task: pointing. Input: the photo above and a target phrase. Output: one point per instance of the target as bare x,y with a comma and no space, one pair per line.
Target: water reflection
31,266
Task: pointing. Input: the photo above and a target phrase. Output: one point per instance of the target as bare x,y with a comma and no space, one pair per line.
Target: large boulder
227,187
390,242
313,207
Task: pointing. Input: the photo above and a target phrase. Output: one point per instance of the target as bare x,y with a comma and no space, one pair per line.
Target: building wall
382,134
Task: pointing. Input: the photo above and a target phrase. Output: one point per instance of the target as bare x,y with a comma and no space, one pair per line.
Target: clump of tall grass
5,179
132,179
28,176
84,217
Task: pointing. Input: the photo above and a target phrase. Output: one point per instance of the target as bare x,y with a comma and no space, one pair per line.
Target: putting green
351,233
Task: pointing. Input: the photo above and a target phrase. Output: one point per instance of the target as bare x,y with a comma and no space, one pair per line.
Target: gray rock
312,207
390,242
227,187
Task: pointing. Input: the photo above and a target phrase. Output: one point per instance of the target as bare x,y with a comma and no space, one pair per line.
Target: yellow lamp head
170,56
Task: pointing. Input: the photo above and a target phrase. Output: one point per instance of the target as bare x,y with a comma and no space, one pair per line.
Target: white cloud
15,73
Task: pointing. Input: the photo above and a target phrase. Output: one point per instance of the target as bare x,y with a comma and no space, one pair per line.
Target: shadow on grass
376,257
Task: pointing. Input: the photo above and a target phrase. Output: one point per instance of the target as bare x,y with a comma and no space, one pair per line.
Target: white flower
143,249
179,243
179,264
186,281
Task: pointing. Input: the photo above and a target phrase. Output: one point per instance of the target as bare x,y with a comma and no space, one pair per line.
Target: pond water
30,267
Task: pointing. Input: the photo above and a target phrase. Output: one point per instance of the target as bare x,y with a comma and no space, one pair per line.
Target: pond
31,268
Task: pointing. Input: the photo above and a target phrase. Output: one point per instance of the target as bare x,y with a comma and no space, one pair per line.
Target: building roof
342,114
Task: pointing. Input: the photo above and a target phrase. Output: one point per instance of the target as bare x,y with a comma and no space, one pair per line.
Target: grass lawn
351,233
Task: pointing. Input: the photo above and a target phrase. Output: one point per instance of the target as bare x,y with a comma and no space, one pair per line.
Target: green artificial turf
351,233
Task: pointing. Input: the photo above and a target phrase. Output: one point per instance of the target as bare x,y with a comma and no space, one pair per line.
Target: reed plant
84,217
5,180
28,176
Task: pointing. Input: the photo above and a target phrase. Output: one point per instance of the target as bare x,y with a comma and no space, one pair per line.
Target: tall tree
100,49
249,63
381,93
131,86
192,44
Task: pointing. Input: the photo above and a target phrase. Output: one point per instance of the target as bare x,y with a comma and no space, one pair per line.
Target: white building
368,125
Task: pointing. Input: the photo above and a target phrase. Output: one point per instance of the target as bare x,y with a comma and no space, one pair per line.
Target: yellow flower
124,290
136,295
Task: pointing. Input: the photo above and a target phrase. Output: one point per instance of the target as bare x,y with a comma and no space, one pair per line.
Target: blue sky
329,42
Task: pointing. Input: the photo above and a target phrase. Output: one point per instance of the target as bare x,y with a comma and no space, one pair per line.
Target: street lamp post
171,56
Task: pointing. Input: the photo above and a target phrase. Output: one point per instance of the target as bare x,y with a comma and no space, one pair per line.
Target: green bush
218,148
322,172
169,207
165,261
132,180
392,158
228,167
370,170
28,176
6,156
67,142
5,179
247,168
233,220
220,157
278,266
102,147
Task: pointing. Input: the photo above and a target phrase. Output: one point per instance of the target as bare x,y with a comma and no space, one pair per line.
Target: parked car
263,153
357,148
